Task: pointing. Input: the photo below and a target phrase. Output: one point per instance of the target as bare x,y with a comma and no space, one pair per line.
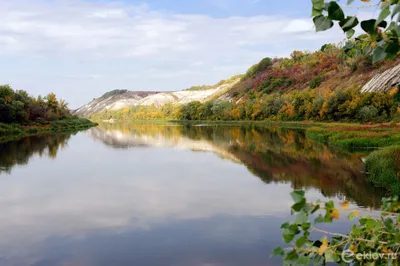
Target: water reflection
18,152
163,194
274,154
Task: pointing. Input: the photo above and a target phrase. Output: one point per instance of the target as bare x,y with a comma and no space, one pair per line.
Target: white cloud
94,76
69,32
299,25
116,29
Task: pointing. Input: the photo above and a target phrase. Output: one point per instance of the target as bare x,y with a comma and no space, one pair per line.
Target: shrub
264,64
315,82
368,113
383,168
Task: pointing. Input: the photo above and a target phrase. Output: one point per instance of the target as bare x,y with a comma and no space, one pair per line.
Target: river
164,194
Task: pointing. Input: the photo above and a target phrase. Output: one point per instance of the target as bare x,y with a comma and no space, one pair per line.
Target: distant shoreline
9,132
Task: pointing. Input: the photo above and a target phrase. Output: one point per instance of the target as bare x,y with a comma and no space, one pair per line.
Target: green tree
19,107
383,31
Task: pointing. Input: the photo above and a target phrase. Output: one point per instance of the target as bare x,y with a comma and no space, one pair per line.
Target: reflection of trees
333,177
19,151
278,155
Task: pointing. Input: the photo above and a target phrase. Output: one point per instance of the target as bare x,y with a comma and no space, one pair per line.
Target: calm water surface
164,194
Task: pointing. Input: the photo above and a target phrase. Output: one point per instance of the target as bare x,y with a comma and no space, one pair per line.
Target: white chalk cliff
119,99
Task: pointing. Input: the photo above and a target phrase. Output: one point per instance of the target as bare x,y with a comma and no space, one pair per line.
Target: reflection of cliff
117,139
18,152
273,154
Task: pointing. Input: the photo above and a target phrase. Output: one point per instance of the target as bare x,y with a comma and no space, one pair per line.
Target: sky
80,49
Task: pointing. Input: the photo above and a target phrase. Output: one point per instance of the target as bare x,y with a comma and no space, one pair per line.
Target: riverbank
382,165
15,131
347,136
383,168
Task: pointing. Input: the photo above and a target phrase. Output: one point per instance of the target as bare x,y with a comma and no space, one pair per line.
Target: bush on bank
383,168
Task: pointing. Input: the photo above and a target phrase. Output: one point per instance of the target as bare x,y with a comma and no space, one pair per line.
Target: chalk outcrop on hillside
119,99
385,81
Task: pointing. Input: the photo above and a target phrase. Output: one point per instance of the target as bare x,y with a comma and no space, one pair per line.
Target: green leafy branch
380,234
383,31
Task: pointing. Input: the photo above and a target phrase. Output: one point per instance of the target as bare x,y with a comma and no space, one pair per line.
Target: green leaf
318,5
319,260
386,3
364,220
389,223
348,46
396,10
353,215
392,48
394,29
303,260
308,208
285,225
306,226
349,2
322,23
355,231
330,205
335,12
278,252
292,255
382,16
378,54
301,218
370,224
288,236
298,196
369,27
348,23
294,229
350,33
319,219
299,206
328,219
315,12
330,256
301,241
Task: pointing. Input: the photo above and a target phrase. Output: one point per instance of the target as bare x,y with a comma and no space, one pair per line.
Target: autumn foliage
320,86
19,107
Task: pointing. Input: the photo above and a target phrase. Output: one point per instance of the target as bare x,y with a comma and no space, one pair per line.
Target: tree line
17,106
311,104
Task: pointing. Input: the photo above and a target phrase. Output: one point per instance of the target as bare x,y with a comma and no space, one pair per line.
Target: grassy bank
383,165
344,135
349,136
15,131
383,168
